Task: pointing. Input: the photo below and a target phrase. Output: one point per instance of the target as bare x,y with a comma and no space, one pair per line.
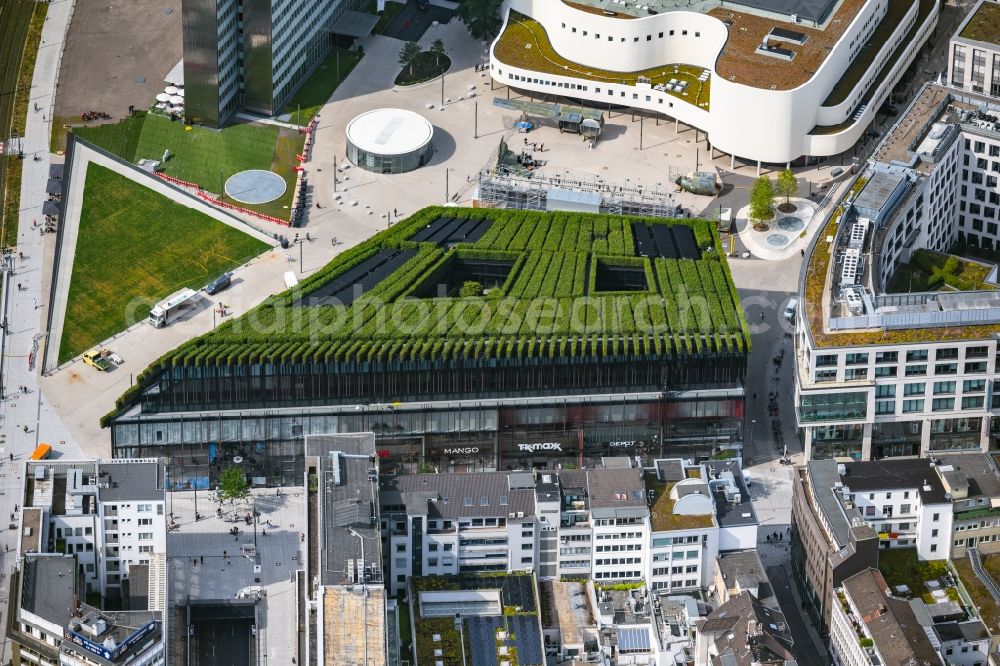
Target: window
944,387
946,354
933,547
885,391
145,521
145,536
432,547
915,389
934,533
468,501
943,404
916,355
885,371
503,500
886,357
885,406
824,360
856,359
910,406
973,386
936,517
975,367
946,369
826,375
976,352
854,374
484,501
973,402
916,370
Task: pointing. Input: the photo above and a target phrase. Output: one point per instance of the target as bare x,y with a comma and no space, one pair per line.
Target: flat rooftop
354,626
48,587
130,480
977,469
223,568
566,607
348,508
984,24
899,146
891,474
743,568
730,514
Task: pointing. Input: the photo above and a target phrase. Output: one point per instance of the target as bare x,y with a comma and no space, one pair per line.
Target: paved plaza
208,563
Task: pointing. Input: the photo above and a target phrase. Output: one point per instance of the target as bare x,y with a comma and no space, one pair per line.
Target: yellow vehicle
97,359
42,452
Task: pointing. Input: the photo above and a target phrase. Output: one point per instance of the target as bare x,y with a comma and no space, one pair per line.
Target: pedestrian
12,457
225,554
754,396
25,428
264,532
802,251
541,147
762,315
20,255
202,559
19,286
34,301
395,213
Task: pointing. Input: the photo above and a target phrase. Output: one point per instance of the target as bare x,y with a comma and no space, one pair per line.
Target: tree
233,484
471,288
762,199
787,185
437,48
481,17
408,54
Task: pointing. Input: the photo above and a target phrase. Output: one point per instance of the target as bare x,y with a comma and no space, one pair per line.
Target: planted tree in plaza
408,54
437,48
787,185
762,199
481,17
233,484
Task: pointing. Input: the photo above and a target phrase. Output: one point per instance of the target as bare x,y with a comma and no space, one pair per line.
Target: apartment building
843,513
974,62
664,525
252,54
887,363
870,627
745,632
91,530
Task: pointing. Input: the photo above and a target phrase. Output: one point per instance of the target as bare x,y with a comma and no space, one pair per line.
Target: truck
98,359
172,307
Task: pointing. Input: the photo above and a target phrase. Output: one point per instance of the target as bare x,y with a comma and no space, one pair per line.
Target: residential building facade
974,51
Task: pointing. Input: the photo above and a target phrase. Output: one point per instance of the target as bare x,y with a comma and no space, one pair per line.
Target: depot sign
623,445
540,446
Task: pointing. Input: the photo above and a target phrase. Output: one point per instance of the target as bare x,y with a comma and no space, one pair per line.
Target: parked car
789,313
219,283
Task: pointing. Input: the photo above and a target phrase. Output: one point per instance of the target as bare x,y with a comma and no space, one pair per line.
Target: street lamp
752,422
447,189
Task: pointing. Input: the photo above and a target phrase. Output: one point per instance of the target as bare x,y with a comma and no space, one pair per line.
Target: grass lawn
135,247
425,66
206,156
405,631
316,90
900,566
121,138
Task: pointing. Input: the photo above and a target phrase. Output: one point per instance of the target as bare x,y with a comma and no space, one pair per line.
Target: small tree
408,54
787,184
471,288
437,48
233,484
481,17
762,199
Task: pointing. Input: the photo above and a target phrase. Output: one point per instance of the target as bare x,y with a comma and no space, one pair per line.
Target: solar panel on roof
633,639
664,242
344,288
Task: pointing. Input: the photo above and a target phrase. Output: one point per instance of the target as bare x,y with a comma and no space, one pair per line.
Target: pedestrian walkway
28,418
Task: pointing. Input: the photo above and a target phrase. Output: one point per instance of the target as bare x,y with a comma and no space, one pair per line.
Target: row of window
635,40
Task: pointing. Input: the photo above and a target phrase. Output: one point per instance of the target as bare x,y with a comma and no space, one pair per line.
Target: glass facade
833,407
401,163
839,441
448,437
956,434
895,439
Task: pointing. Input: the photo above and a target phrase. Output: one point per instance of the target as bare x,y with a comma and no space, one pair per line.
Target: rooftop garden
740,62
866,56
525,44
984,26
933,271
987,606
462,284
815,293
900,566
662,514
925,8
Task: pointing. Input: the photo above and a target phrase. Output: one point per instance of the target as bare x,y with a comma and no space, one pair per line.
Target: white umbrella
176,99
180,92
171,90
163,97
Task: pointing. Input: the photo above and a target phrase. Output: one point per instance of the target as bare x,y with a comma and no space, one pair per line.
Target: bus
42,452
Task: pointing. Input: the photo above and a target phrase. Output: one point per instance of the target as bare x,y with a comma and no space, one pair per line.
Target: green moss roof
984,26
524,43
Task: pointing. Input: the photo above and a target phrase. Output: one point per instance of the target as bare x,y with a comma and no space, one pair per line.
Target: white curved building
765,86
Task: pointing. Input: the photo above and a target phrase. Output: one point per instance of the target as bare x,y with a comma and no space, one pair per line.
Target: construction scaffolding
503,188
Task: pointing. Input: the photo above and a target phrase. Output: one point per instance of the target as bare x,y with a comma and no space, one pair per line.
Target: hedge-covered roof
548,305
